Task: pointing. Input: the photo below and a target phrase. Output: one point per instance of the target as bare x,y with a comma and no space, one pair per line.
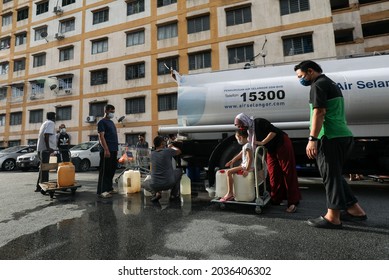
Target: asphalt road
84,227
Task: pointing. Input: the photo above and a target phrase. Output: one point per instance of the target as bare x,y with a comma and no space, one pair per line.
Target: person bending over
163,176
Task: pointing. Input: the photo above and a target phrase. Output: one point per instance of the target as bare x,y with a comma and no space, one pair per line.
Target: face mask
304,82
111,115
63,130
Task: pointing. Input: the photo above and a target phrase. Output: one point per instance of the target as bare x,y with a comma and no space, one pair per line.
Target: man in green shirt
330,143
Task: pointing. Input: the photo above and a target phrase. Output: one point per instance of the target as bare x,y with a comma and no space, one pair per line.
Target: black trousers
43,176
332,154
107,171
63,156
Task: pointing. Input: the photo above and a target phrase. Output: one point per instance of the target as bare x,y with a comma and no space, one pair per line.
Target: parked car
8,156
85,155
28,161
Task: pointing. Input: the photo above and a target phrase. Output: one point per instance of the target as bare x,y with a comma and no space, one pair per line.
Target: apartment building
75,56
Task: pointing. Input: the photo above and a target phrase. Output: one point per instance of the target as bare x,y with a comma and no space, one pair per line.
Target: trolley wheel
381,180
51,194
222,206
43,192
375,179
73,191
258,210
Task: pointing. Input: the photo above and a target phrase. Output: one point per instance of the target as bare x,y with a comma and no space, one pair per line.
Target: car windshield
12,149
83,146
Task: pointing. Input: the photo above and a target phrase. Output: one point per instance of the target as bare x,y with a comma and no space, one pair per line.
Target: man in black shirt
63,144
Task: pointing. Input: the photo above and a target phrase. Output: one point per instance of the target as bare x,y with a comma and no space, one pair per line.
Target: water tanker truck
208,102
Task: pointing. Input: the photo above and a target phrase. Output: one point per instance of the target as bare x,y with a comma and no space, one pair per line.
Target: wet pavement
34,226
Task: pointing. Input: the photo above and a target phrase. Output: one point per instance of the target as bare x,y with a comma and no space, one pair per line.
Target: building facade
75,56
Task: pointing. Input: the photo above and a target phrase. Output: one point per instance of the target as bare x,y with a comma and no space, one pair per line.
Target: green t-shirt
326,94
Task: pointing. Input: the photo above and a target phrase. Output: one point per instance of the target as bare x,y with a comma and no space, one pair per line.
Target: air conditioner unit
57,10
90,119
68,91
32,97
59,36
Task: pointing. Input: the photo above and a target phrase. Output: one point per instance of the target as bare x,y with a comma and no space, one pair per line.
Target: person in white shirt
47,143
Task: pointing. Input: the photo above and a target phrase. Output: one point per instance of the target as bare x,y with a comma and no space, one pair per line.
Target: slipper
346,216
228,198
291,209
322,222
156,197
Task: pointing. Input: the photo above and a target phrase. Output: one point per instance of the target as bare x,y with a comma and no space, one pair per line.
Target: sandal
227,198
156,197
291,209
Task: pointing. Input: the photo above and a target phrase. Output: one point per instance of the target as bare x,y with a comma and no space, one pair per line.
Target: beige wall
266,23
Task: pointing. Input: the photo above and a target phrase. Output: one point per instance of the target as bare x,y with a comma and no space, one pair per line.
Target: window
199,60
36,116
37,87
22,14
16,118
42,7
198,24
39,60
135,38
344,36
238,15
135,7
6,1
19,64
167,31
32,142
132,139
13,143
100,46
97,109
376,28
66,53
17,91
99,77
68,2
135,105
161,3
4,68
339,4
67,25
2,119
6,19
63,113
20,38
297,45
39,31
65,83
171,62
368,1
5,43
135,71
3,93
240,54
100,16
293,6
167,102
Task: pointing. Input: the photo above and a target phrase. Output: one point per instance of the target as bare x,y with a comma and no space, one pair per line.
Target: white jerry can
221,183
244,187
